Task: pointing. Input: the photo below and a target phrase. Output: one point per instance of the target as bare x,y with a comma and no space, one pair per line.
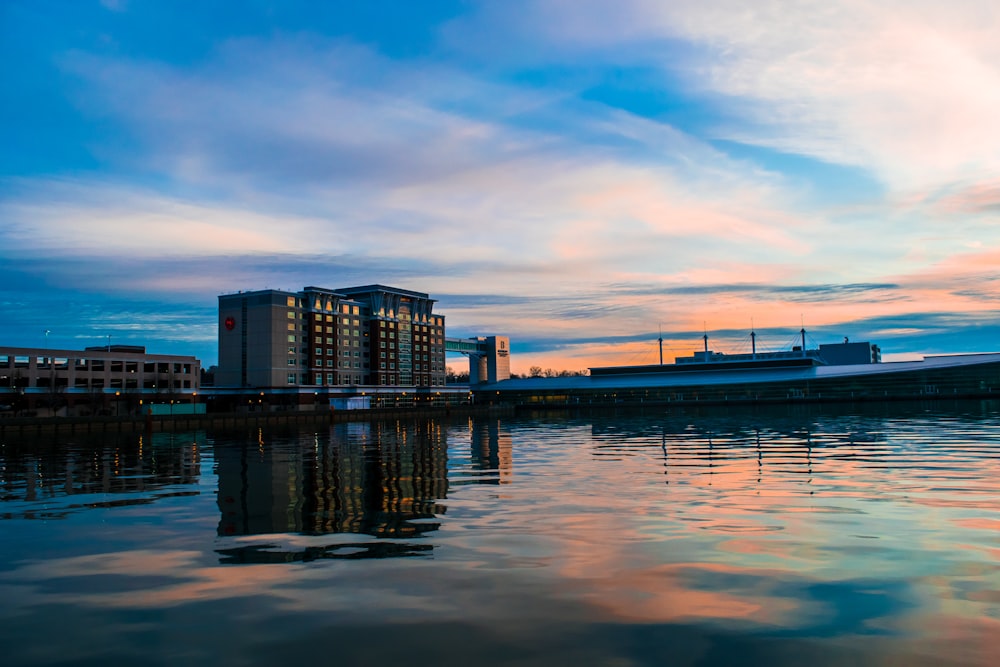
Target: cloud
909,90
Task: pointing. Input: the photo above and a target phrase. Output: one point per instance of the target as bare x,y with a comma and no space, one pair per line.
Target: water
787,537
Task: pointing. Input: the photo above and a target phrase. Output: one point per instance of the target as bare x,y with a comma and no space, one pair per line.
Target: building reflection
491,447
375,479
135,466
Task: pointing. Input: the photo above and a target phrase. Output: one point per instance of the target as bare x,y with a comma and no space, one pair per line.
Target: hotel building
370,335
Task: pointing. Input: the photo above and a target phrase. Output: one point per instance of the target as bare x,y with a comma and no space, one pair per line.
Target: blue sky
577,175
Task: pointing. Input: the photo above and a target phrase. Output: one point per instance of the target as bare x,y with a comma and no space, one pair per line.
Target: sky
581,176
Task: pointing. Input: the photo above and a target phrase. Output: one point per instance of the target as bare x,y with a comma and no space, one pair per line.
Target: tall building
370,335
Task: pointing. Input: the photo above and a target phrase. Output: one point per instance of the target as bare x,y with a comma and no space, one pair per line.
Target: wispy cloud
576,175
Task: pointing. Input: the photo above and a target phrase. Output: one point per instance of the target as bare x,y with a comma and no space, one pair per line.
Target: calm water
780,538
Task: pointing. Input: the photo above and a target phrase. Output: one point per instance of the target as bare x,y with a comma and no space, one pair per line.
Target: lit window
291,339
291,315
290,302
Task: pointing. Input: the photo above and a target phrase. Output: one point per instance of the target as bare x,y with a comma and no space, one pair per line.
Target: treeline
534,372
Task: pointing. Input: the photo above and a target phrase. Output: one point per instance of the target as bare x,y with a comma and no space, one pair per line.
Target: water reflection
50,479
689,538
375,479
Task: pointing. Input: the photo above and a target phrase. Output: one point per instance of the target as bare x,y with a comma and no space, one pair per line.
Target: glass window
290,302
291,315
319,351
291,378
329,378
291,339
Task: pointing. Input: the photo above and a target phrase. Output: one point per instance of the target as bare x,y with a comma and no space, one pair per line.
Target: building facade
109,380
370,335
106,369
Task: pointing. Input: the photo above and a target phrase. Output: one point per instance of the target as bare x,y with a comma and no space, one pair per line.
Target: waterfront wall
26,426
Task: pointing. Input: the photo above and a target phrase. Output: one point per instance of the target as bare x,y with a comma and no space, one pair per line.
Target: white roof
722,376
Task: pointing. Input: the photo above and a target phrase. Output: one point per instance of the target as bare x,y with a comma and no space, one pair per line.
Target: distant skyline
578,175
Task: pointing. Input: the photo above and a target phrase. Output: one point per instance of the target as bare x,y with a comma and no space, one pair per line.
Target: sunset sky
577,175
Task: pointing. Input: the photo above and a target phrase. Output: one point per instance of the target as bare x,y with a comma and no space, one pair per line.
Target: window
318,329
356,333
291,326
381,355
329,351
329,378
291,361
291,378
357,353
356,310
319,378
382,344
382,365
290,302
291,350
291,314
329,329
329,318
356,322
329,362
291,338
319,351
329,341
392,365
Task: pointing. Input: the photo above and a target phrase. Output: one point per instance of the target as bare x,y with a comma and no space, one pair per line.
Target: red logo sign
230,324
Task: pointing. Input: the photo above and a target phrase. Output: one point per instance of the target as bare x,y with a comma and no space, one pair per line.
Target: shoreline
26,426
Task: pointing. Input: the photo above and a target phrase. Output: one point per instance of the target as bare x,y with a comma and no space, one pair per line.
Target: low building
100,376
